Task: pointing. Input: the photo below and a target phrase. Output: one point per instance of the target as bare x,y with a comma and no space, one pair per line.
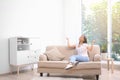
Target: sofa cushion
62,64
54,55
67,52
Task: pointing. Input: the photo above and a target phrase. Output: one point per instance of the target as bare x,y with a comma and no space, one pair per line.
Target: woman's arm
68,44
91,47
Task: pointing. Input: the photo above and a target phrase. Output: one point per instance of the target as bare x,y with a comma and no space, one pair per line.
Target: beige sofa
93,67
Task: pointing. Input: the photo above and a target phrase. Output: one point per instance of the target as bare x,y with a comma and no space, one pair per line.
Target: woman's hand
68,43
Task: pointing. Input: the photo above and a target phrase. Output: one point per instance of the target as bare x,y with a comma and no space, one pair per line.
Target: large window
116,29
94,21
95,24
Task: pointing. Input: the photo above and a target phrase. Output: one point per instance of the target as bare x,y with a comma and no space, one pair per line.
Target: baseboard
15,72
5,74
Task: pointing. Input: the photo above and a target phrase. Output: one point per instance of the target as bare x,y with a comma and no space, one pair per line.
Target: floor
33,75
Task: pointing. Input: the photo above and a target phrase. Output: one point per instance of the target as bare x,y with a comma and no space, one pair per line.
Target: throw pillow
54,55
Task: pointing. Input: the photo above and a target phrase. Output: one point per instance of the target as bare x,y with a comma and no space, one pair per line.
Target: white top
82,50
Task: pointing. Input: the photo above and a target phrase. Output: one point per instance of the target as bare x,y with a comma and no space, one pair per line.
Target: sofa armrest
97,57
43,57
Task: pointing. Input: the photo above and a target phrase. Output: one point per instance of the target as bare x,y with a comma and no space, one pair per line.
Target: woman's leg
72,62
73,58
82,58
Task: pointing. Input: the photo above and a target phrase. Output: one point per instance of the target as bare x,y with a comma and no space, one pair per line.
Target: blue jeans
79,58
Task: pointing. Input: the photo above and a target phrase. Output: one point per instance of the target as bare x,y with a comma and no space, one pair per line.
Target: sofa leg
48,74
97,77
41,74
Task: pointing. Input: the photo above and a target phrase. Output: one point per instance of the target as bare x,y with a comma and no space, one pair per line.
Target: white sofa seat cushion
62,65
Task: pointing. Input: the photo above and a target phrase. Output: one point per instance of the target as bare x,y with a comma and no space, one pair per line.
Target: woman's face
81,39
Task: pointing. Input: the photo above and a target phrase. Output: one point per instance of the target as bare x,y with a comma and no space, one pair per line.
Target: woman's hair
85,39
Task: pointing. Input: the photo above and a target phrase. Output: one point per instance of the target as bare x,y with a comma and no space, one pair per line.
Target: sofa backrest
69,52
95,50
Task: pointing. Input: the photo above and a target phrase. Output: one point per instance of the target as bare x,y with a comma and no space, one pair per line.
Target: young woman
82,48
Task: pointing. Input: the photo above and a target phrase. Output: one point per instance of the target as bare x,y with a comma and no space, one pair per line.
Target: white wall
51,20
29,18
72,19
